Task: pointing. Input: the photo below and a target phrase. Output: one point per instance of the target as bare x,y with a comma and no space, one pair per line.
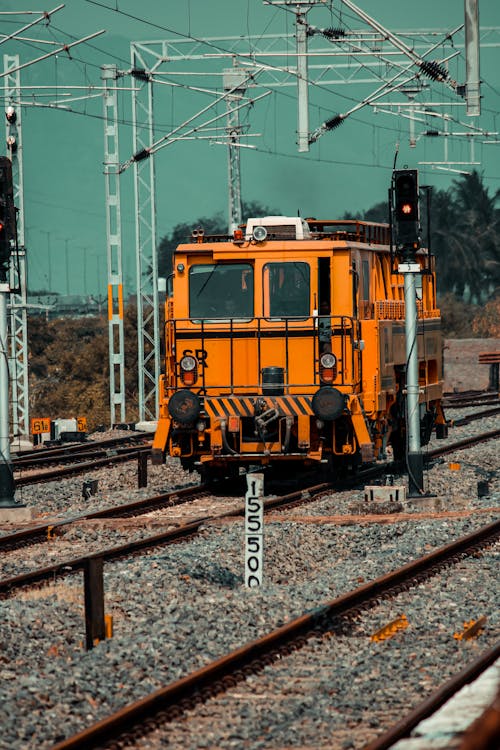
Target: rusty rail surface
71,451
465,443
429,706
126,454
235,666
38,534
469,398
477,415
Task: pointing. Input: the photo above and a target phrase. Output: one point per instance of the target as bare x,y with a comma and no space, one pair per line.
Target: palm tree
466,235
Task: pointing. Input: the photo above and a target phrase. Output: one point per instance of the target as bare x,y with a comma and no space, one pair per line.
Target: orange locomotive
285,344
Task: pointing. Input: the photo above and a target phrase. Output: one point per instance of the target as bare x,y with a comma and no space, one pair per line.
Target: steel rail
126,454
40,533
459,444
75,565
470,398
477,415
66,449
206,681
450,396
431,704
464,404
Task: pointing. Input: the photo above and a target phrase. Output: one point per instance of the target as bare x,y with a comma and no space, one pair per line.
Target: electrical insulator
12,143
11,115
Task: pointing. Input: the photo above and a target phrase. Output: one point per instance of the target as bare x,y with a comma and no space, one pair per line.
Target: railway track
118,456
81,458
41,533
201,583
73,451
469,398
169,703
475,416
185,531
483,738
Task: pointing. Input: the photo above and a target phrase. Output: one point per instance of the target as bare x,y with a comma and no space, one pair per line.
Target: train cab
285,345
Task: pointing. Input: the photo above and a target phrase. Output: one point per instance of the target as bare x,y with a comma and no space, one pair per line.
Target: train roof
295,228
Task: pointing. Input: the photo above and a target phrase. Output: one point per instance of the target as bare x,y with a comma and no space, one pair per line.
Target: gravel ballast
179,607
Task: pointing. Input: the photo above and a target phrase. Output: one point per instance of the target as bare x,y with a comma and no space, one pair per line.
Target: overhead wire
212,44
209,43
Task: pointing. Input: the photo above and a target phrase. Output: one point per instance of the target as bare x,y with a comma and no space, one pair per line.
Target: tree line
464,224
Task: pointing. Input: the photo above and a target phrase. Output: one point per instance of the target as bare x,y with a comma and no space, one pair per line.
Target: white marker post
254,530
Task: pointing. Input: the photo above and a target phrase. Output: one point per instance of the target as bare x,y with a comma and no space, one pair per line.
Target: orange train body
285,344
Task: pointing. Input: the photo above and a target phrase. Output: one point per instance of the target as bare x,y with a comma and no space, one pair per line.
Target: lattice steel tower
18,324
114,245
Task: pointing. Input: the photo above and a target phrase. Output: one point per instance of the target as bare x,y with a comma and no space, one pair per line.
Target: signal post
405,206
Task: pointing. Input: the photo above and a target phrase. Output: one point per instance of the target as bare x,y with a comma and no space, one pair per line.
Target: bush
486,323
457,317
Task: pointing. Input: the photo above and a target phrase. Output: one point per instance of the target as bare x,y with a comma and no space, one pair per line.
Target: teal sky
348,169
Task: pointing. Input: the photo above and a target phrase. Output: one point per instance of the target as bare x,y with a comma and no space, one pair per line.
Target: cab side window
286,290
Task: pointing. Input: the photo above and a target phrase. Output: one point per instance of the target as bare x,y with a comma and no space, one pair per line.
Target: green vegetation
69,367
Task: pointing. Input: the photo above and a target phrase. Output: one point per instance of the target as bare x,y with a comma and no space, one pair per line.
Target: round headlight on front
187,363
189,369
328,361
327,367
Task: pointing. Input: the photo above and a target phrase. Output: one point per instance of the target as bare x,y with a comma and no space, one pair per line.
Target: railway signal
406,213
406,229
7,215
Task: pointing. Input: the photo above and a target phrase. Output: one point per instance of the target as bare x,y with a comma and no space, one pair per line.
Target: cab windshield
221,290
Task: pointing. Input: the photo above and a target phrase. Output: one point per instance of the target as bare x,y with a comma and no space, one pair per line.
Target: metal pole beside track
6,473
414,453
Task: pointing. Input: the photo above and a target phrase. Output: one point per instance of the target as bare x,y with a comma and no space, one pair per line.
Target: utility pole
235,82
84,260
148,318
300,8
66,255
302,78
49,260
473,82
116,336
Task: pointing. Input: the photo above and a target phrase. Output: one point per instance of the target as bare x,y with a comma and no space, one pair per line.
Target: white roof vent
278,228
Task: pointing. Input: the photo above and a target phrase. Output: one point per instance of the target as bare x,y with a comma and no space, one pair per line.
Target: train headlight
328,403
259,234
328,367
184,406
188,367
